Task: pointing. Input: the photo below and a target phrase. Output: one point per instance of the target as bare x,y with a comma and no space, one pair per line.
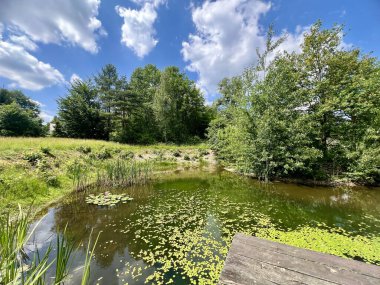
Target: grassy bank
39,171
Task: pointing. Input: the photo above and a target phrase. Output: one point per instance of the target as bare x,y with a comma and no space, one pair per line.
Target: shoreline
306,182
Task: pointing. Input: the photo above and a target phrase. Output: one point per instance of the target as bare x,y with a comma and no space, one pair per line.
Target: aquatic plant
107,199
18,268
121,173
78,173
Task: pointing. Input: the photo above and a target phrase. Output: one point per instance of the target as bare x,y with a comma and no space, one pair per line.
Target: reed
89,255
64,251
121,173
17,268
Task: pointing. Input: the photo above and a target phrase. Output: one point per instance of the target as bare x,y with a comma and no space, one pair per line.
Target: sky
44,44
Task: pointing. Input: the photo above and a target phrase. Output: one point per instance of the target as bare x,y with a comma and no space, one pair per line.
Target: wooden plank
256,261
262,273
338,275
331,260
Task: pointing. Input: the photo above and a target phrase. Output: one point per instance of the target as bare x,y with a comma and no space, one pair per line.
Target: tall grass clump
18,268
121,173
79,174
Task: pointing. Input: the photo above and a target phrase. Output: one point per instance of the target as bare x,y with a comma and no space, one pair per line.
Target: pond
178,229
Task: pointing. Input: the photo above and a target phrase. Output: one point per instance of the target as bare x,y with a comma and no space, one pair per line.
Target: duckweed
179,230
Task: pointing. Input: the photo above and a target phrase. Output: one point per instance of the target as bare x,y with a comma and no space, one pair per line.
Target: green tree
144,83
17,121
179,107
80,112
109,86
312,114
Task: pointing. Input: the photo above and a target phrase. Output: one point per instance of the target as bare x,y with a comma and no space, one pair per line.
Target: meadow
40,171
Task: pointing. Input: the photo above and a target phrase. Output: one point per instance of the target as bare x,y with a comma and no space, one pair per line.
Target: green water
177,230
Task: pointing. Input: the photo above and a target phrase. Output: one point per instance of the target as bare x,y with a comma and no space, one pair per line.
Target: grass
17,268
40,171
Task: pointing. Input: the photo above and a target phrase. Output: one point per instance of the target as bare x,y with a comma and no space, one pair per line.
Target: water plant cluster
17,267
182,231
107,199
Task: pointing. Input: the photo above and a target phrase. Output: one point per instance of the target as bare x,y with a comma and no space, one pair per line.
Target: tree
80,112
17,121
9,96
109,85
19,115
144,83
179,107
312,114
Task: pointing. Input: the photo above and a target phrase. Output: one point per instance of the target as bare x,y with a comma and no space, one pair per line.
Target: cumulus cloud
54,21
25,70
75,77
137,31
46,116
227,35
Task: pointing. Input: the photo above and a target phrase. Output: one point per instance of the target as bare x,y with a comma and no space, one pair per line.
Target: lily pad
107,199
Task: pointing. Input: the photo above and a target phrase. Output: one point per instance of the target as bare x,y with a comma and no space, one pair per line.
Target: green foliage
84,149
14,235
46,150
80,112
33,157
179,107
17,121
104,153
312,114
137,111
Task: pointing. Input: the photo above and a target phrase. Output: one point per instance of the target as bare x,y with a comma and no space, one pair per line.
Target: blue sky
44,43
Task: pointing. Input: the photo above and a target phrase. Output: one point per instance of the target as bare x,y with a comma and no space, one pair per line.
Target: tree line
153,106
313,114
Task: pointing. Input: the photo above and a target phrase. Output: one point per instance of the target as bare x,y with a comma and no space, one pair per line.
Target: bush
33,157
52,181
177,153
203,152
46,150
104,154
186,157
84,149
126,155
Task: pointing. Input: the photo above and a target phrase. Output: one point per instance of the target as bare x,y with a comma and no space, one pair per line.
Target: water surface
177,230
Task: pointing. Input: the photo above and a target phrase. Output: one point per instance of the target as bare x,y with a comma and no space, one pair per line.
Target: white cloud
25,70
55,21
46,116
138,31
23,41
38,103
74,78
227,35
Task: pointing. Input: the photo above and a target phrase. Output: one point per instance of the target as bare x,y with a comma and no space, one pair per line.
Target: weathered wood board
257,261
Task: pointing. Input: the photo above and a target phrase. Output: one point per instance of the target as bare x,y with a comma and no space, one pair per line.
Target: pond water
177,230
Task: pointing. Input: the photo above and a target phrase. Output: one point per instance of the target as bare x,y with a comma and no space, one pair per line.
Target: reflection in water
178,229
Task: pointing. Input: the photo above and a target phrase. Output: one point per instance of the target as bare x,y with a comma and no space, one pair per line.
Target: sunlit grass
40,171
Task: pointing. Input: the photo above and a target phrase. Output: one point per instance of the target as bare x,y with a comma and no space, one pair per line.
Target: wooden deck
257,261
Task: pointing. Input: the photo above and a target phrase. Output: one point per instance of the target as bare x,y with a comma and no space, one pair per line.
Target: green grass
14,235
40,171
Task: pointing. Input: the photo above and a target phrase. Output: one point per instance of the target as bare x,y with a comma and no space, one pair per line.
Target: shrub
186,157
84,149
33,157
52,181
104,154
46,150
177,153
126,154
203,152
